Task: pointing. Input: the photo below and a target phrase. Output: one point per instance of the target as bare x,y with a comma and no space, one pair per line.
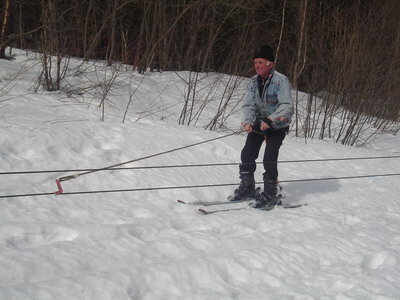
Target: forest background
343,54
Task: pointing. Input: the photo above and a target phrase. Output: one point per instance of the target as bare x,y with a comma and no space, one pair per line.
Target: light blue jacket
275,102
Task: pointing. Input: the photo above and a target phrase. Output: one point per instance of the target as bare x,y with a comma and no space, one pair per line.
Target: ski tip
204,212
180,201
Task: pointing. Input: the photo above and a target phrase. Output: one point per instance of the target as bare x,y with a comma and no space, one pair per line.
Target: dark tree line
347,52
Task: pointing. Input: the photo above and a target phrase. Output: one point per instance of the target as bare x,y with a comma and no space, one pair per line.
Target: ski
210,203
280,205
209,212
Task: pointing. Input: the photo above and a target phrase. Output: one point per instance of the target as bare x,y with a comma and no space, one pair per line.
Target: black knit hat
265,51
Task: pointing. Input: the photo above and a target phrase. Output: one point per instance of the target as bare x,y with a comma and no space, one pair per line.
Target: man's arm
249,104
285,109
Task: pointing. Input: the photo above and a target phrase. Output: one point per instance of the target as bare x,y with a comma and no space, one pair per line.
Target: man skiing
267,111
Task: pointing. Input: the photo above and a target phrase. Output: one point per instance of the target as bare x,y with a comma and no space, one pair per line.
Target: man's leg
268,196
250,152
275,139
249,155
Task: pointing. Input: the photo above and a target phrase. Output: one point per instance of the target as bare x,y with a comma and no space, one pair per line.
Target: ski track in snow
143,245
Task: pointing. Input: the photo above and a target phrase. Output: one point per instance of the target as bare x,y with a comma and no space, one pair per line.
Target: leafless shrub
52,45
226,105
131,94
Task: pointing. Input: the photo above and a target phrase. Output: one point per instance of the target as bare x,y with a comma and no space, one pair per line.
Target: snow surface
144,245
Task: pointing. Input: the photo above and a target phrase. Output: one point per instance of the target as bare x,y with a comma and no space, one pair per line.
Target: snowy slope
144,245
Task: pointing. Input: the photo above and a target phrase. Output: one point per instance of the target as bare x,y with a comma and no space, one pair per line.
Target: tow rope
65,178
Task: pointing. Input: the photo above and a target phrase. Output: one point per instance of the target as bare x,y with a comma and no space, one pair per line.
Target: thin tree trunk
4,25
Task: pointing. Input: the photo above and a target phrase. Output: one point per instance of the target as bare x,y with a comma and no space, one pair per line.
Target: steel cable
194,165
197,186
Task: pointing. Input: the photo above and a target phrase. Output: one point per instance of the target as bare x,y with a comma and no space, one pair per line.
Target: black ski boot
246,189
267,199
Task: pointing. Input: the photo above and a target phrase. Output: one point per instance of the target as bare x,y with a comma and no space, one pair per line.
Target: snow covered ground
144,245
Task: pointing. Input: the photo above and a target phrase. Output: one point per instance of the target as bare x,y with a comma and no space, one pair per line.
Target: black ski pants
252,147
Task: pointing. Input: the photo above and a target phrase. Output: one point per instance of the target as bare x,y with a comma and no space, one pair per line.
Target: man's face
262,66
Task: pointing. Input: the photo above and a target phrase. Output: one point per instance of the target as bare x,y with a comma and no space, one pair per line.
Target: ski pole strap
59,180
60,189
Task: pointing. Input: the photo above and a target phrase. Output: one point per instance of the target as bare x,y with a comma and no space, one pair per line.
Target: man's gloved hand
266,124
247,127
